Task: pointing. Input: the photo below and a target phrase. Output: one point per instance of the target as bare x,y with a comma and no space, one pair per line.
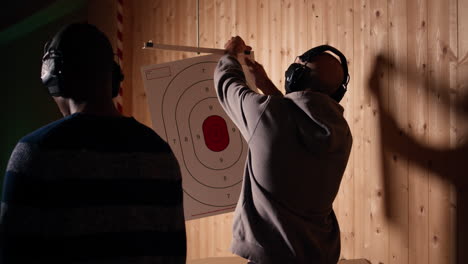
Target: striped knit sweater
88,189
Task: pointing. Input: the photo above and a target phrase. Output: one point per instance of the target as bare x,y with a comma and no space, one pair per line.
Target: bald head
326,73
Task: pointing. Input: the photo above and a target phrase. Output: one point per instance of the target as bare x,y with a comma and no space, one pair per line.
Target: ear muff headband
296,71
52,74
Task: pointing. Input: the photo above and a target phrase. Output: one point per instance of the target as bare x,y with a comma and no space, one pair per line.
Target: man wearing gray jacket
299,146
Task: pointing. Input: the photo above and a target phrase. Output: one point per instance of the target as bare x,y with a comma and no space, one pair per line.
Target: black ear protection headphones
53,75
296,71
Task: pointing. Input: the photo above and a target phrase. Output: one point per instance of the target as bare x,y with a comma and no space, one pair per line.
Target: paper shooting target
210,149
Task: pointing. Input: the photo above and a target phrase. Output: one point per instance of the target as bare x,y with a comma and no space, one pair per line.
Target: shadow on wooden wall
445,163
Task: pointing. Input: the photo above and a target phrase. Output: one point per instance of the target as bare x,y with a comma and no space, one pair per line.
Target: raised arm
241,104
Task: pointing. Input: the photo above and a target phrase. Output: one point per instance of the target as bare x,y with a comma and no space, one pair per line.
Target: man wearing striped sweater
93,187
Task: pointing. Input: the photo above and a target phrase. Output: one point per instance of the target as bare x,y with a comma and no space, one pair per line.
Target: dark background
25,26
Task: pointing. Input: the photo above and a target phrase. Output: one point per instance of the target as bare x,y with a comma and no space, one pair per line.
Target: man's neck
104,108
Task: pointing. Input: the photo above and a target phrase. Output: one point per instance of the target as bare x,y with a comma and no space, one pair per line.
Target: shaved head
327,73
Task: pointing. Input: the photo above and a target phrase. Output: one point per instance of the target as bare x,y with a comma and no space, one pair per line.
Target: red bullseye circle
215,133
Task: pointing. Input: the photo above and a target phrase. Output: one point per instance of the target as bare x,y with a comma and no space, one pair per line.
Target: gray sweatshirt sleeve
241,104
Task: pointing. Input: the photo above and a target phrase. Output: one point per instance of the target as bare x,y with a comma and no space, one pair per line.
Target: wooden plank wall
407,218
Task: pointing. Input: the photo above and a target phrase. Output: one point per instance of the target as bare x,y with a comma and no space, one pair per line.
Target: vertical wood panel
345,211
207,34
361,99
294,30
276,69
417,116
462,127
316,19
128,59
144,13
378,222
452,101
263,55
225,21
396,165
439,129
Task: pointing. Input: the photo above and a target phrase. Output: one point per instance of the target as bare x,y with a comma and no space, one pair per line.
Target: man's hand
235,46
